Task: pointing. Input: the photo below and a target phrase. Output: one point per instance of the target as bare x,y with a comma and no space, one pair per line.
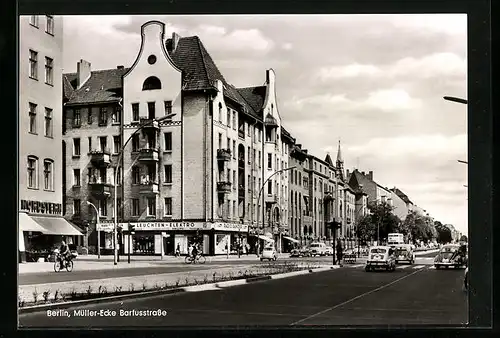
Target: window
151,110
76,206
254,156
34,20
234,149
116,144
234,179
269,161
168,107
168,173
33,64
135,175
168,206
103,116
151,83
32,172
228,122
76,147
32,114
76,177
90,144
270,187
260,159
77,118
135,143
168,141
220,112
103,208
151,206
90,117
229,208
234,120
228,143
116,116
50,25
135,112
103,143
220,141
48,122
135,207
229,175
248,152
249,182
49,65
234,210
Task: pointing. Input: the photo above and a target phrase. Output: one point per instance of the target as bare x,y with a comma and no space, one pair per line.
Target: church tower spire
340,163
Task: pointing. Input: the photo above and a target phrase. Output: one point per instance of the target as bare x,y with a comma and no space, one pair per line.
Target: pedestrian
257,249
178,250
339,252
247,246
190,249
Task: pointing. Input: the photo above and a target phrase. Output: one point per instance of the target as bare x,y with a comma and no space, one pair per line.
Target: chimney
120,67
82,72
175,41
370,175
347,173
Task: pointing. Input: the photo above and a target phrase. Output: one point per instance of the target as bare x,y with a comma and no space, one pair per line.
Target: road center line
355,298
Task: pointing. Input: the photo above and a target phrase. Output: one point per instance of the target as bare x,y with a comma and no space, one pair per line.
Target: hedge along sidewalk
55,291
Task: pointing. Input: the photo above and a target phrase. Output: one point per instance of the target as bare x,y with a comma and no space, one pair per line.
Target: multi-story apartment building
300,213
196,151
376,193
400,208
41,224
91,144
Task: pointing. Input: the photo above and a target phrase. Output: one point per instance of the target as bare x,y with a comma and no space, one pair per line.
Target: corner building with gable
192,176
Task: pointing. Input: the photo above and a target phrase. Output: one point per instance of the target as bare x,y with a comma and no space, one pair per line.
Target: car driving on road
381,257
269,253
318,249
451,255
404,253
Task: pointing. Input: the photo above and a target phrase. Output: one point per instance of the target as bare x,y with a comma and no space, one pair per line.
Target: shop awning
57,226
26,223
266,238
291,239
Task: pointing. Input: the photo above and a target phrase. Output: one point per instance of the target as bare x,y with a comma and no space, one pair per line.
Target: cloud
237,40
287,46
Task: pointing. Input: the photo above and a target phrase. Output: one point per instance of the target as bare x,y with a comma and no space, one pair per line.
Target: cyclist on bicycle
194,252
63,252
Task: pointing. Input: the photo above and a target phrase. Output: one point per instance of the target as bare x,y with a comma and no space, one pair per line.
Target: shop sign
105,227
231,227
38,207
165,226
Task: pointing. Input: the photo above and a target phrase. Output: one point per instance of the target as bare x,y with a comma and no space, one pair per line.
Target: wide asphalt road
415,294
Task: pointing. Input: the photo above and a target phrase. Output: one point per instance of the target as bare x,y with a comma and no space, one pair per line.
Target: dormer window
151,83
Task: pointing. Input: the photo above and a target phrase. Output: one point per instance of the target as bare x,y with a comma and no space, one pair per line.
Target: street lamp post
262,188
120,155
98,232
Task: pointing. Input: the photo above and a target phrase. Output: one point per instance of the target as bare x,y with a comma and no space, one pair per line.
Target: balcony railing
100,157
148,187
224,187
148,123
100,189
224,154
148,154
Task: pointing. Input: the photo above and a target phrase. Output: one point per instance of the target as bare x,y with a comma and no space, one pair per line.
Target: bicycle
198,259
67,264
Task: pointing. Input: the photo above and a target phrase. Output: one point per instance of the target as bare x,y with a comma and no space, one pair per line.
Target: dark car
300,252
451,255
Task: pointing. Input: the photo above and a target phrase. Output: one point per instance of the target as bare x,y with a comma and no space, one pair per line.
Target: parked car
300,252
381,257
451,255
318,249
269,253
404,253
329,250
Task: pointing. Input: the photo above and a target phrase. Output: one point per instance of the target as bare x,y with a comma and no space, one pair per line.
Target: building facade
41,225
399,205
195,152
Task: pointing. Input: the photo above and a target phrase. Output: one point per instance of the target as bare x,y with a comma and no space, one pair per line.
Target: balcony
100,190
223,154
271,199
148,154
149,123
224,187
241,134
149,188
100,158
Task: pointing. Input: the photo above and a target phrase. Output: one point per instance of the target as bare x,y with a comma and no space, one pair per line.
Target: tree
380,222
365,230
443,234
419,227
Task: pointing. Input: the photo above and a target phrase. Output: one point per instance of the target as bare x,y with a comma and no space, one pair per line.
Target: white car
269,253
318,249
381,257
329,250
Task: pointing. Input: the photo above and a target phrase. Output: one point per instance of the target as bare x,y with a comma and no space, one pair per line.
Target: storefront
42,229
164,238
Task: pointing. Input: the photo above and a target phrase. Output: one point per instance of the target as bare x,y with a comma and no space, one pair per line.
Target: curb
193,288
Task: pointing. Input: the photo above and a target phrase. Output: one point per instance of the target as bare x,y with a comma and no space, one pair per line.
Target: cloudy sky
375,82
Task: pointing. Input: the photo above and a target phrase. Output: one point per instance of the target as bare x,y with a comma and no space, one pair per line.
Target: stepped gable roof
102,86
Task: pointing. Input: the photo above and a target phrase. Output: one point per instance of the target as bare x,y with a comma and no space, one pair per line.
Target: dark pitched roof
254,96
67,87
286,135
401,195
102,86
328,160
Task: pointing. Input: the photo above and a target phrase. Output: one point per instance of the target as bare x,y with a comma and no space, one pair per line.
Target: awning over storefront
291,239
26,223
266,238
57,226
